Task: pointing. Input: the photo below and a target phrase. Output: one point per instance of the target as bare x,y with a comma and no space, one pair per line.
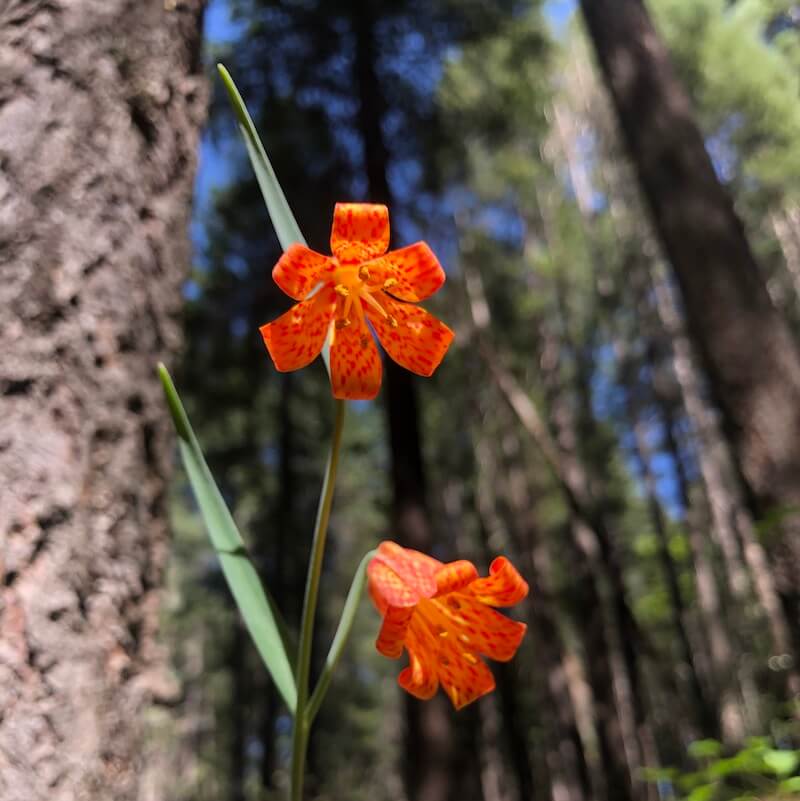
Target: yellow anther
444,634
389,283
342,323
463,638
392,321
473,660
363,272
341,289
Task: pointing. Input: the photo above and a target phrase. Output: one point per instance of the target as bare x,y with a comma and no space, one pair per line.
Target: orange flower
360,282
441,614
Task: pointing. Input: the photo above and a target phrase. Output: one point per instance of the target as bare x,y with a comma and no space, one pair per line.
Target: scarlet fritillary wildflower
360,282
441,614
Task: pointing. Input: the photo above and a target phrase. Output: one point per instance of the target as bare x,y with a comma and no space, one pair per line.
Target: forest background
600,417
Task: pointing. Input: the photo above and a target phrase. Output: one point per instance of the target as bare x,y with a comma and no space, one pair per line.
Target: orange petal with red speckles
391,638
418,342
455,576
402,576
420,678
463,676
415,269
355,363
360,231
299,270
502,587
296,338
480,628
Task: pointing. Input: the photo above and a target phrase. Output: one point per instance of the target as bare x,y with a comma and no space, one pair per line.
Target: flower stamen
377,306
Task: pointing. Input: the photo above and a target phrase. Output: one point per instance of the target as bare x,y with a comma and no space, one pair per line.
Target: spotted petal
463,675
414,272
360,232
480,628
502,587
420,678
418,342
299,270
295,339
402,576
355,364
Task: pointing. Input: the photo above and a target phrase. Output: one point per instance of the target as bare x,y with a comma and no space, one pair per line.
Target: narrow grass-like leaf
340,638
258,609
283,220
281,215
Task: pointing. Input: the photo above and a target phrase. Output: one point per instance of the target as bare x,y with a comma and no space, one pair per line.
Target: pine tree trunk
100,106
608,666
431,749
732,524
745,346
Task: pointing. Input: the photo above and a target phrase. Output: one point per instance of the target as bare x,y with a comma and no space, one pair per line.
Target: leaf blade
286,226
257,608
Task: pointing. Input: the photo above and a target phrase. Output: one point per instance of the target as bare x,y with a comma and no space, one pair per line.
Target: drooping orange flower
441,614
360,282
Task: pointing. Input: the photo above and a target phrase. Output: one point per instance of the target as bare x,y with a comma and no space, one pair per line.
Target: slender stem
301,725
340,638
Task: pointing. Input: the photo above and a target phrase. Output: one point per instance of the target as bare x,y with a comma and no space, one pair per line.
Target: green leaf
702,793
791,785
781,763
286,226
281,215
340,638
258,609
705,749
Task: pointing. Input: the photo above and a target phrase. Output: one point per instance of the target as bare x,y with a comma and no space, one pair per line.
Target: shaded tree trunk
732,524
745,346
431,749
701,708
720,641
616,724
98,133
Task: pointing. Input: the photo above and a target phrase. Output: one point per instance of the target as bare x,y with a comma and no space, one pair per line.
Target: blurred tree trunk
99,114
431,749
745,346
701,708
732,524
240,701
563,769
615,724
719,637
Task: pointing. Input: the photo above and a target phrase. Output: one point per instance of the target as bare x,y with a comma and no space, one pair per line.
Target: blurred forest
578,424
614,193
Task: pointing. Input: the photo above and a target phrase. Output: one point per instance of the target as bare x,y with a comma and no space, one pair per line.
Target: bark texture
745,346
100,106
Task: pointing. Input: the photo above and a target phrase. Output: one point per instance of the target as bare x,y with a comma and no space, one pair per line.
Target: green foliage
258,609
758,770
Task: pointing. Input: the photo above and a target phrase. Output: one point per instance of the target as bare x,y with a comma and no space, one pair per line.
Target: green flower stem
340,639
301,724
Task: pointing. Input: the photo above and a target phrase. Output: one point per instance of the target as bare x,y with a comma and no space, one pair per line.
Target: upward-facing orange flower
360,282
441,614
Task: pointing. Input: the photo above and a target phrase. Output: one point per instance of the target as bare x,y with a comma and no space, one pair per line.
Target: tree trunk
700,707
431,749
99,114
617,734
732,524
744,344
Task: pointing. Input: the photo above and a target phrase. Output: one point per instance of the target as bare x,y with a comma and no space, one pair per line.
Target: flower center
441,616
354,284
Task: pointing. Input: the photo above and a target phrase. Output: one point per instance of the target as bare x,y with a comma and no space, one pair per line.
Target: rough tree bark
98,133
745,345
